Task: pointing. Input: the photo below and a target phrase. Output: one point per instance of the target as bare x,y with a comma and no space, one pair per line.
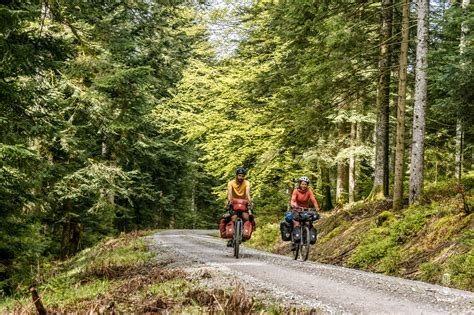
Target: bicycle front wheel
237,237
305,242
296,250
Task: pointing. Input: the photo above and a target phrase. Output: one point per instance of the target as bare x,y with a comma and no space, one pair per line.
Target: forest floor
432,242
128,274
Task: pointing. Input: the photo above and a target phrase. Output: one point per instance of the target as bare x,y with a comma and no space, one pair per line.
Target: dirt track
327,288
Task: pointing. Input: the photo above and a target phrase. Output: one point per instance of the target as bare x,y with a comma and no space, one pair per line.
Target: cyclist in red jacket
300,199
301,196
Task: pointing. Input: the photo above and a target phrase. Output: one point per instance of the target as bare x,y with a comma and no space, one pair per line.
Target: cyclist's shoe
293,246
229,243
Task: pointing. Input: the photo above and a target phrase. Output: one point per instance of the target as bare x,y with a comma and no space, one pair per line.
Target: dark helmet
240,170
303,179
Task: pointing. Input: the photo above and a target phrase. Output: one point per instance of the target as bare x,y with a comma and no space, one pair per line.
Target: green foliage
385,218
431,272
373,248
265,237
460,271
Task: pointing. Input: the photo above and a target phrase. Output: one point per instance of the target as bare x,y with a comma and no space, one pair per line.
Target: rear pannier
285,229
247,232
229,230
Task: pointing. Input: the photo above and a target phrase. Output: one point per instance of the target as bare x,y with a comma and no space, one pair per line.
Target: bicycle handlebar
309,214
299,209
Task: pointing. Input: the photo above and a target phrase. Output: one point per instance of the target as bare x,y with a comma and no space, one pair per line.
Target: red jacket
300,198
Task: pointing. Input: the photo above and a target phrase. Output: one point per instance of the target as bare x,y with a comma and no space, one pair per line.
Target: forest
123,115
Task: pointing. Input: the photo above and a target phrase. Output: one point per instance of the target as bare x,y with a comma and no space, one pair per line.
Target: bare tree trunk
341,182
418,142
459,123
109,195
459,148
341,177
402,83
383,99
193,204
352,164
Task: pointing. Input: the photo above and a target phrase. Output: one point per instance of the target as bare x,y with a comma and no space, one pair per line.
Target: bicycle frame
237,236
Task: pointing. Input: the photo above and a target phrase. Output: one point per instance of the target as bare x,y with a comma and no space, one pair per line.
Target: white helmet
304,179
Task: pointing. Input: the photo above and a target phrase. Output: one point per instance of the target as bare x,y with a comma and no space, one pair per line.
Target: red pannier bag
240,204
229,230
247,232
222,227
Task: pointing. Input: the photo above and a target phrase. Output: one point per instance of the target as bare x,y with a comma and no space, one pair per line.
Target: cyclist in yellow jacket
239,188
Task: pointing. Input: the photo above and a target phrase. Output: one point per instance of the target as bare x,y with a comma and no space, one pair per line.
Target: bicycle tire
237,236
305,242
297,248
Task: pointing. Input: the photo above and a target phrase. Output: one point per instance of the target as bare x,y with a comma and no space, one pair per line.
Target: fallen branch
37,300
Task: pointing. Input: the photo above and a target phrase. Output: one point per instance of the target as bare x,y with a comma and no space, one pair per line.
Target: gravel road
326,288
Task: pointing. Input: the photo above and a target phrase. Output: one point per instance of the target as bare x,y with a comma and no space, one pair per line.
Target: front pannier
296,234
239,204
313,235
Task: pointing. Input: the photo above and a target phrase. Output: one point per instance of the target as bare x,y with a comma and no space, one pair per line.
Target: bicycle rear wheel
237,236
305,242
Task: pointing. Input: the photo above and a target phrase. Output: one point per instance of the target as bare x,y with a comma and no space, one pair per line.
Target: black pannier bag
297,234
285,229
313,235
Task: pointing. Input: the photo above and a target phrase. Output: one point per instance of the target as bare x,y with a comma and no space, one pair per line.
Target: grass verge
120,275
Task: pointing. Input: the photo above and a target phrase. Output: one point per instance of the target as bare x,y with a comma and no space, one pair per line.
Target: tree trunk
402,83
459,124
72,233
459,148
326,189
110,196
418,142
342,169
380,188
352,159
341,182
193,204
